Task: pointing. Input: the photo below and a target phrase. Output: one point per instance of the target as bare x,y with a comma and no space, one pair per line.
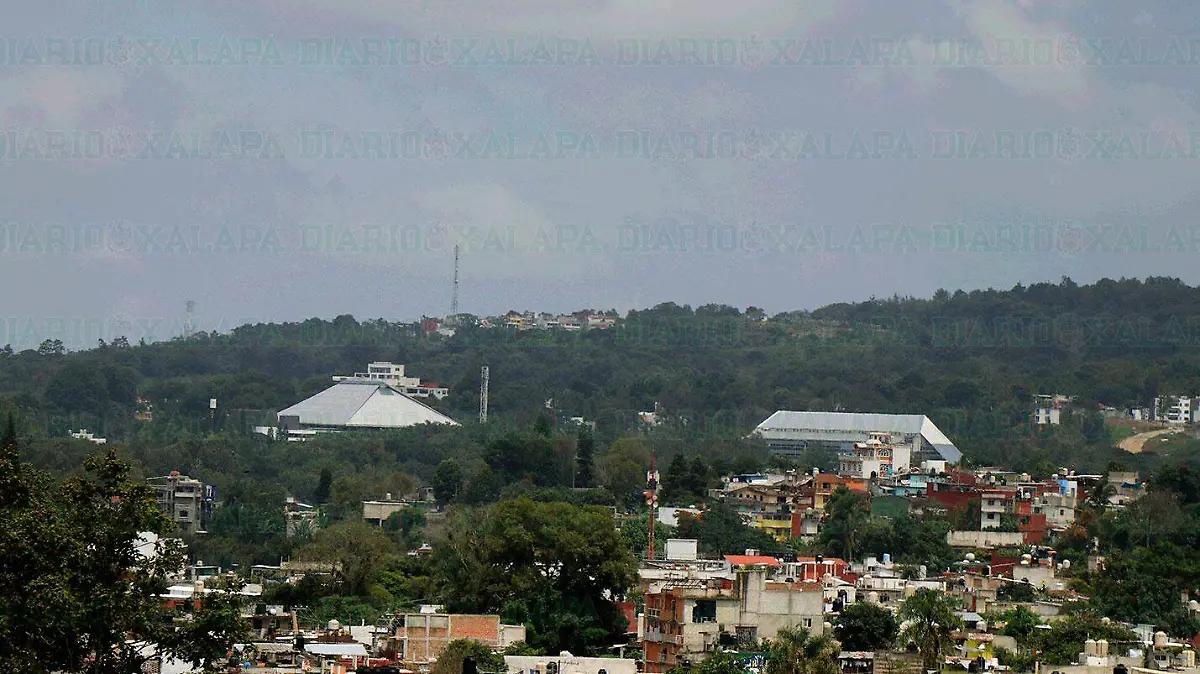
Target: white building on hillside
353,404
394,374
85,434
792,433
1177,409
1048,409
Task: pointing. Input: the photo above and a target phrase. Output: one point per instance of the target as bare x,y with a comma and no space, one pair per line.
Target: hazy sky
276,160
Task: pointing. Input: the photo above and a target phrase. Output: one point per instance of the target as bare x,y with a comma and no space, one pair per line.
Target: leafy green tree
635,532
451,658
675,480
866,627
797,651
521,648
542,426
928,619
719,662
721,531
1019,592
525,456
1063,642
550,566
51,347
407,526
622,471
324,485
447,481
585,454
846,514
355,551
1020,623
698,479
82,567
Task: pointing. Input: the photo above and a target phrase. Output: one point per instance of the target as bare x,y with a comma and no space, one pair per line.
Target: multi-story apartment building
993,505
694,609
186,501
777,504
876,458
1058,508
822,486
1176,409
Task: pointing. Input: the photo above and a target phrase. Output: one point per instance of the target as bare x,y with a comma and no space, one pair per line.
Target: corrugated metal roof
364,404
782,425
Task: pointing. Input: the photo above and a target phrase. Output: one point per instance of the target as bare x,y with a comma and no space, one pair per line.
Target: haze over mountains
1111,89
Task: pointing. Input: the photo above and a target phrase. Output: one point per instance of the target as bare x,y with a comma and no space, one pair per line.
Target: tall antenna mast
483,394
188,326
454,296
652,501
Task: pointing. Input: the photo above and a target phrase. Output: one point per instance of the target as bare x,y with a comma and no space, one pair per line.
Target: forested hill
971,361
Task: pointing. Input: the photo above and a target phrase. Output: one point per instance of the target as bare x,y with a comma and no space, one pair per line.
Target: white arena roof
359,403
840,426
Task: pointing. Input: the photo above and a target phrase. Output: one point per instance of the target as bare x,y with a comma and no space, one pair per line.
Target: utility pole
652,501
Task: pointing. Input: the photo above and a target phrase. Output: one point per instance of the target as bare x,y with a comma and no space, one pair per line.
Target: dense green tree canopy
866,627
928,620
83,565
551,566
798,651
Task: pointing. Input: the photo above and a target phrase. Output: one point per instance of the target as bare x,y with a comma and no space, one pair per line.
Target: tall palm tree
797,651
929,619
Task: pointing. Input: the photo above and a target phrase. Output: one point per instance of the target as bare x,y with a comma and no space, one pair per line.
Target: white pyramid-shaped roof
364,404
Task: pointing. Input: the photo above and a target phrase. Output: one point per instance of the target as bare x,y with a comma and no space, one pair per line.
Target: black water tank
468,666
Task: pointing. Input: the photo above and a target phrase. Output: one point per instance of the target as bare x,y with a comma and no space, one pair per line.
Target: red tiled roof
751,560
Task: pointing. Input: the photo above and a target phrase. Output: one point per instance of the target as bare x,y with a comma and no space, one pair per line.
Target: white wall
522,664
984,539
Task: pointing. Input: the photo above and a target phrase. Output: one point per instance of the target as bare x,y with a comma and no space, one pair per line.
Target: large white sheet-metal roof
836,426
364,404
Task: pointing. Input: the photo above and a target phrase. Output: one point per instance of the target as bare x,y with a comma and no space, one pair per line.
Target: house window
808,623
183,514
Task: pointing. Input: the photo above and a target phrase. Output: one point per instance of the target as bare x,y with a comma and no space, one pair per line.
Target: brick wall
425,635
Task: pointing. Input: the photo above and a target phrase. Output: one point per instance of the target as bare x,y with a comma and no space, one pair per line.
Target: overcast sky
276,160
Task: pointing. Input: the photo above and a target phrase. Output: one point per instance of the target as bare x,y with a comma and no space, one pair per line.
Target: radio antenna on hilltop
188,326
483,394
453,318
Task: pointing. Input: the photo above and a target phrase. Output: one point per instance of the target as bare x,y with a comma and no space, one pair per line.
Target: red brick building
421,637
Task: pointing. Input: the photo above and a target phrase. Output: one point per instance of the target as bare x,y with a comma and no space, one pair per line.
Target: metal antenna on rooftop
188,326
483,394
454,295
652,501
